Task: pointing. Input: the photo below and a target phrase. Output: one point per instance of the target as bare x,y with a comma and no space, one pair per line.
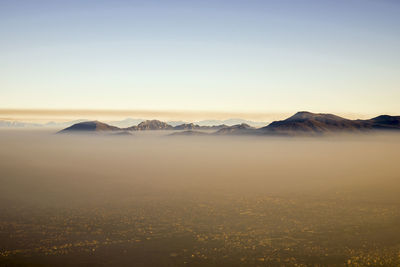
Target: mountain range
301,123
128,122
317,123
229,122
148,125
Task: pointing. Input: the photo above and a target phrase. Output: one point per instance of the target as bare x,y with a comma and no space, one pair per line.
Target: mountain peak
306,115
151,125
90,126
242,128
386,121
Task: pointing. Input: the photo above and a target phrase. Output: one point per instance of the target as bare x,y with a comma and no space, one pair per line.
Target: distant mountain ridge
16,124
319,123
150,125
90,126
129,122
231,122
301,123
242,128
51,124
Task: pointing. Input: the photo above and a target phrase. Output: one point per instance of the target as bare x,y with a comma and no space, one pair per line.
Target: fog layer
41,170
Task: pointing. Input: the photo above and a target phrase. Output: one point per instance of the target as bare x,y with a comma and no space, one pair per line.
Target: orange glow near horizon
45,115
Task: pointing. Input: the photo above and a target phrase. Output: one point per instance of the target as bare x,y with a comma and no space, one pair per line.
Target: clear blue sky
240,56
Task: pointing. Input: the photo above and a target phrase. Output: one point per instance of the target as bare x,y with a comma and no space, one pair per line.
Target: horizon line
51,114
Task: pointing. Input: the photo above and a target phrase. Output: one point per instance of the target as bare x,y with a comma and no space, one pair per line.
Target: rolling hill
89,126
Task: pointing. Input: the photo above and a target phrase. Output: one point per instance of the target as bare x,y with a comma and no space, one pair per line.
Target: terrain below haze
151,200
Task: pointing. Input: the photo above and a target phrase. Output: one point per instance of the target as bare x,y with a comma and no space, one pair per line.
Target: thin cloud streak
44,115
104,114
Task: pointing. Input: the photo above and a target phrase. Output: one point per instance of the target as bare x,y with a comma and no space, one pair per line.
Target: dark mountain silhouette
236,129
308,122
187,126
301,123
150,125
385,122
89,126
317,123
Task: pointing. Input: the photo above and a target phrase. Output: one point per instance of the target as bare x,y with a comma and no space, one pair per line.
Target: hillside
89,126
318,123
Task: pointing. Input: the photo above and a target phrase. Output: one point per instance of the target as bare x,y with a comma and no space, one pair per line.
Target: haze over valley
199,133
204,201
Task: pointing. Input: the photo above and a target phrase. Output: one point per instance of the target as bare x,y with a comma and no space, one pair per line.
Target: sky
250,57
